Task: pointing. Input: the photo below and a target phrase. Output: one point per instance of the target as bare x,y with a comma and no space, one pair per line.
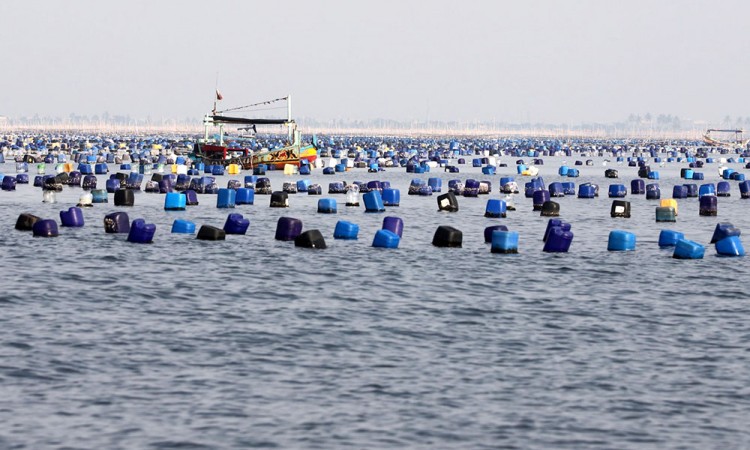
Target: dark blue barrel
435,183
337,187
539,198
288,228
314,189
586,190
723,189
569,188
182,182
653,192
394,224
471,188
745,189
552,223
141,232
191,197
74,178
374,185
558,240
165,185
556,190
679,191
89,182
117,222
708,205
724,230
638,187
73,217
617,191
456,186
44,228
236,224
414,186
9,183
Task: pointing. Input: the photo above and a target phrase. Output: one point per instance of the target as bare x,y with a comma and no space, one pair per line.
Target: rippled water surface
251,342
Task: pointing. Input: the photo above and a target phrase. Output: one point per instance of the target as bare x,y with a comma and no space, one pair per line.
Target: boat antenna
217,94
267,102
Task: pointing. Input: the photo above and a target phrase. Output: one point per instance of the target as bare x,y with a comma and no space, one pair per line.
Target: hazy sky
544,61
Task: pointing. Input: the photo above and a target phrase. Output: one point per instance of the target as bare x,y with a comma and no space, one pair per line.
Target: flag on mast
218,95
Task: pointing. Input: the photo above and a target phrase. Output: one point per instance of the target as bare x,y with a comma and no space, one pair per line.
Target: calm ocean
251,342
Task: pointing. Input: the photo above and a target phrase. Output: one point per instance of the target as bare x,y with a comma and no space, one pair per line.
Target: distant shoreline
494,133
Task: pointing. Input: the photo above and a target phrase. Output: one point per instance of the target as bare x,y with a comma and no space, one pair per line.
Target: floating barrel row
557,236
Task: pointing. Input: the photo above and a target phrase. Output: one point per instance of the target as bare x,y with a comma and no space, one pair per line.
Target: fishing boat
221,150
713,141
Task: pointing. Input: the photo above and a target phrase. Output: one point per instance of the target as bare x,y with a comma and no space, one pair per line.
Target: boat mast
290,131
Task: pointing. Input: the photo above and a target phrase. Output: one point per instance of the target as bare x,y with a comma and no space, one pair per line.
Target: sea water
251,342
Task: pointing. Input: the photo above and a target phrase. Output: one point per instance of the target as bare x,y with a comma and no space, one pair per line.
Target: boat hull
221,155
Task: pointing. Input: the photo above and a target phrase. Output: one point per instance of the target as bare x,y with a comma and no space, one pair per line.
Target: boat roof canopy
245,121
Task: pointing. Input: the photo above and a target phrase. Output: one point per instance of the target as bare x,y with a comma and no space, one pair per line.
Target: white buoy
86,199
49,197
